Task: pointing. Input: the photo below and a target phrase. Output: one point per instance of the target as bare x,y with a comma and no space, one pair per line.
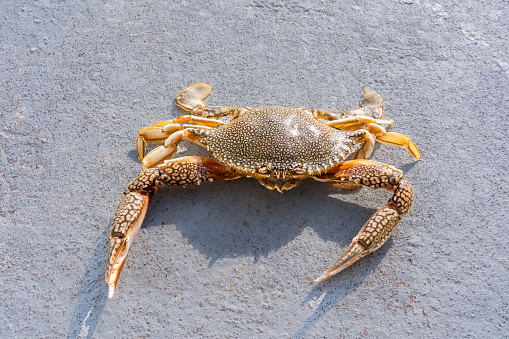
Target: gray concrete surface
232,259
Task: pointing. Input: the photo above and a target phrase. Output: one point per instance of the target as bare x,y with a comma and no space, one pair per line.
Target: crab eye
165,178
393,180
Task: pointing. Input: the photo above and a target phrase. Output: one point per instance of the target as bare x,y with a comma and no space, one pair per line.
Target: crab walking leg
132,209
351,117
357,120
393,138
371,105
195,120
191,99
154,134
381,225
372,125
163,129
168,150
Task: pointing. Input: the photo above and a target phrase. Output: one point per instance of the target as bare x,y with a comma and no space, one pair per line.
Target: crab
279,146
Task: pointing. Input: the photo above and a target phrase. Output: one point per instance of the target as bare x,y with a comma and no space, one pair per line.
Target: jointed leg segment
381,225
162,130
369,117
133,207
173,131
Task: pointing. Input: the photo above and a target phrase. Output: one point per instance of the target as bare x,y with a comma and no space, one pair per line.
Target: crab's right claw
192,96
124,229
371,237
380,226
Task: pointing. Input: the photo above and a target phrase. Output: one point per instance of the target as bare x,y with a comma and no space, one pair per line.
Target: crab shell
279,142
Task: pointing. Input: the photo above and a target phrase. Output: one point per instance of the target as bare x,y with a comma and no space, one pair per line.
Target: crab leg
133,207
368,144
168,150
371,105
392,138
154,134
371,124
163,129
380,226
368,116
356,121
191,99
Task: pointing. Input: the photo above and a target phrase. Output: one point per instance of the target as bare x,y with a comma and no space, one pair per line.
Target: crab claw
124,229
370,238
354,252
117,253
380,226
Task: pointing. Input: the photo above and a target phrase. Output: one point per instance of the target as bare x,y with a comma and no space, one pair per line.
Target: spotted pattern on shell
277,139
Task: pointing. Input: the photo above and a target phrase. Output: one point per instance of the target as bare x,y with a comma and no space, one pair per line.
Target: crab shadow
222,220
92,294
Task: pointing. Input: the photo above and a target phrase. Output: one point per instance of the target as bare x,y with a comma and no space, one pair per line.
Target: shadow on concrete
326,295
92,295
221,220
268,221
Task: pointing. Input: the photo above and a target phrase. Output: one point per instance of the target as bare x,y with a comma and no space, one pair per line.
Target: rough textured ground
232,259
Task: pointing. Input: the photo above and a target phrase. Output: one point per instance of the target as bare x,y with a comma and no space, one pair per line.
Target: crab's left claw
116,260
124,229
132,209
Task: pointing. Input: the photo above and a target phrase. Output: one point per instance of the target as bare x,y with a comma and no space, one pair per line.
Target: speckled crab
278,146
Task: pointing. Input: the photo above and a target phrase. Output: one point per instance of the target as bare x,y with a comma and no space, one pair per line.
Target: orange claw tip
117,254
113,277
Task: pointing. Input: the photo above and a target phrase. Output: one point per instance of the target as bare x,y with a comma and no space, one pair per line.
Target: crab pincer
380,226
132,209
